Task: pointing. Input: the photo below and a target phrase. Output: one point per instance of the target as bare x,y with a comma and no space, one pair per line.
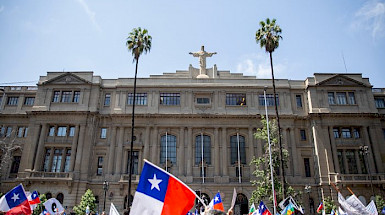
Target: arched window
60,197
241,204
206,149
171,148
48,195
234,149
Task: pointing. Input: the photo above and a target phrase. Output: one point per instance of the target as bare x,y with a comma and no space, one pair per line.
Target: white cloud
259,65
1,8
91,14
371,17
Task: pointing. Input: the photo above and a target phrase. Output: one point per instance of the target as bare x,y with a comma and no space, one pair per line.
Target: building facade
74,129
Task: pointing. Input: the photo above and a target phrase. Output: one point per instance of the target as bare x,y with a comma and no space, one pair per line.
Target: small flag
15,201
383,210
218,205
45,212
320,207
289,209
34,198
159,192
252,209
53,206
262,209
233,200
113,210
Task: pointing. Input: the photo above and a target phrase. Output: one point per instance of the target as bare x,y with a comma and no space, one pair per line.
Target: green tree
380,203
40,207
329,205
268,37
263,177
138,42
88,199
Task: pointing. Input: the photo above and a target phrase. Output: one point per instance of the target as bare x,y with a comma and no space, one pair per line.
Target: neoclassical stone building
75,131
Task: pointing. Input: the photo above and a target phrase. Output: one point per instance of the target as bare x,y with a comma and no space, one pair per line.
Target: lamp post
308,190
105,188
365,152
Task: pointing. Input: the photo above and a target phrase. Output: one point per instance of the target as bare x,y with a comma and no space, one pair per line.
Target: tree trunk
279,131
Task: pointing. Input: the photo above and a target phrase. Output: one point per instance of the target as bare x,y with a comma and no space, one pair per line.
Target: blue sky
89,35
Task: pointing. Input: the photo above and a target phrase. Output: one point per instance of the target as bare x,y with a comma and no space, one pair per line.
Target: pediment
67,78
341,80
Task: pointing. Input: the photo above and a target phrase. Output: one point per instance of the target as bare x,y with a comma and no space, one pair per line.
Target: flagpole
271,163
239,161
203,169
166,151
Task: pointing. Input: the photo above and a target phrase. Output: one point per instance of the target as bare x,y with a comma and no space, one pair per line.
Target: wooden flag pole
334,186
350,190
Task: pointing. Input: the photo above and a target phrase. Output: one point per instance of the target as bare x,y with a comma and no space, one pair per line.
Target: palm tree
268,36
138,42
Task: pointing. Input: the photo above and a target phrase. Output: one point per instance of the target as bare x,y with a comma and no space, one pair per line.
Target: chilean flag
320,207
34,198
262,209
159,192
218,205
15,202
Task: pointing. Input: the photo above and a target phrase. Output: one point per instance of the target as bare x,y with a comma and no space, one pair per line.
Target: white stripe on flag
144,209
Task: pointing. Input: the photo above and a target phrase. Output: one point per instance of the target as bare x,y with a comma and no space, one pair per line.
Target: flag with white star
15,201
159,192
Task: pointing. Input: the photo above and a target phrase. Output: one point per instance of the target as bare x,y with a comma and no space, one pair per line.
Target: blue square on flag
16,196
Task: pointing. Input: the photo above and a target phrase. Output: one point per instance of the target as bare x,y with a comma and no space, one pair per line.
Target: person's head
103,213
214,212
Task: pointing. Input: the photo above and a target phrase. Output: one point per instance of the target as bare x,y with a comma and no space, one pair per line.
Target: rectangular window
51,131
341,161
298,99
9,131
135,161
236,99
356,132
76,97
46,159
29,101
2,131
107,99
103,133
66,96
140,99
380,103
99,170
203,101
306,162
15,164
72,131
331,98
26,132
363,164
336,133
20,132
169,98
345,132
341,98
352,99
269,100
56,161
12,101
67,160
56,96
352,162
303,134
62,131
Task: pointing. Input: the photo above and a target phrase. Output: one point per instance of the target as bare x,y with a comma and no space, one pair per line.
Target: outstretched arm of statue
194,54
211,54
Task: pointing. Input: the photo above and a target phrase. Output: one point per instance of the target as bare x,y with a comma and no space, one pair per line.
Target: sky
319,36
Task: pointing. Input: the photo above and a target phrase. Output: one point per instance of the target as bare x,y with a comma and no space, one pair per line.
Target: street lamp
365,152
105,188
308,190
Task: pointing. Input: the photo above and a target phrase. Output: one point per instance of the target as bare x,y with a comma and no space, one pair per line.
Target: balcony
359,178
49,176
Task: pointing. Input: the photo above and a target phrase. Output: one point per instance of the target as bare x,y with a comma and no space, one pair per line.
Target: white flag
113,210
357,204
53,206
371,208
341,212
234,199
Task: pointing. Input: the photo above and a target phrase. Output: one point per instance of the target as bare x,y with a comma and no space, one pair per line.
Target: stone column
79,151
189,151
119,153
34,143
224,153
40,149
111,153
345,162
146,149
251,150
181,156
296,170
334,150
285,140
74,148
260,149
125,162
367,142
154,145
216,153
357,157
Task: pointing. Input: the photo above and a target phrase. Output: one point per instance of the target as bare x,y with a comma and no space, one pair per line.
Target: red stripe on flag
179,199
